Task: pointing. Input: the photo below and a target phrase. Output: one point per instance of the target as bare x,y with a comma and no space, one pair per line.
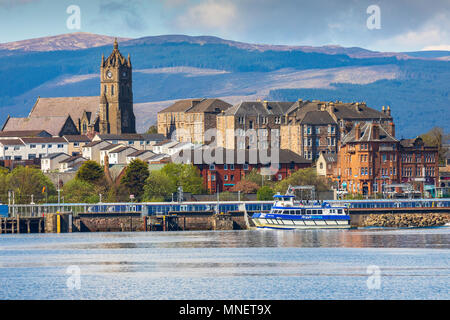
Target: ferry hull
268,222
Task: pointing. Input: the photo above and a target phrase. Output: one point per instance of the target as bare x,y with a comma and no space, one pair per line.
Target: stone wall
403,220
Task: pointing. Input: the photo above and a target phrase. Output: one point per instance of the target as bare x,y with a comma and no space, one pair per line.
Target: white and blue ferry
286,213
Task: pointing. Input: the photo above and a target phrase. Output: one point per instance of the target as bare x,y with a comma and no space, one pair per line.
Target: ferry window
319,211
308,211
297,211
313,212
339,211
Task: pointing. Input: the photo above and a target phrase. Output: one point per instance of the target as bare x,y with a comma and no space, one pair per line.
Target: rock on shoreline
404,220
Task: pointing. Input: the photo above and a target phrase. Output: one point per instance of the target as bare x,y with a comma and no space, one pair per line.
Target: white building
163,146
91,151
143,155
51,162
31,148
72,163
134,140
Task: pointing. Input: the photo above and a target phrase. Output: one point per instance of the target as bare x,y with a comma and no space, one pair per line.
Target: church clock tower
116,115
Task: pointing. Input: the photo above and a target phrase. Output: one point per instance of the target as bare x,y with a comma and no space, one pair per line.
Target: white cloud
443,47
211,14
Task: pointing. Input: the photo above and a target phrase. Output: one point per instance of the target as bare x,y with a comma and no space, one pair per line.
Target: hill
177,66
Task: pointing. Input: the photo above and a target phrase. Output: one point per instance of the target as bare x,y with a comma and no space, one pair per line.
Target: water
259,264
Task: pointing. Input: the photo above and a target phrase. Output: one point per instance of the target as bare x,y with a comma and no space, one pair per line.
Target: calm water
269,264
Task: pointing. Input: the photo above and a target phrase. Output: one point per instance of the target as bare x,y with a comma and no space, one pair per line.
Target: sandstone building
191,117
109,113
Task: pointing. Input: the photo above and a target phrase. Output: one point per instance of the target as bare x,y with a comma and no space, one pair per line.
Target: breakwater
404,220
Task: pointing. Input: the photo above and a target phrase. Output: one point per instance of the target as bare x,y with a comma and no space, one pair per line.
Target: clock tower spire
116,94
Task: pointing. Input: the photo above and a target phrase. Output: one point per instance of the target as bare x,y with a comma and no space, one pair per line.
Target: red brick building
228,169
419,164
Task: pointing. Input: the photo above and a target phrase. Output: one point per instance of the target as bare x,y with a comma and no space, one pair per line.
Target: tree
186,176
158,187
80,191
435,138
254,176
265,193
135,177
3,185
26,181
152,129
90,172
302,177
245,186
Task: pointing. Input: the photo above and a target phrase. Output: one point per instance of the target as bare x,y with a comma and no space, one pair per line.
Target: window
212,166
225,177
32,146
112,90
60,146
130,142
280,177
231,166
317,130
213,177
245,166
76,144
232,177
225,167
6,148
384,157
49,146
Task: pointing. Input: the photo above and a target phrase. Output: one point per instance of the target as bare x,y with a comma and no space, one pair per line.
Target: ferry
286,213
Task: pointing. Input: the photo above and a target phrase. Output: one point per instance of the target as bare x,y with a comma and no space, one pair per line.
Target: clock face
109,74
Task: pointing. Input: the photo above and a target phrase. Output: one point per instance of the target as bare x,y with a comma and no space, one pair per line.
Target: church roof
57,107
52,124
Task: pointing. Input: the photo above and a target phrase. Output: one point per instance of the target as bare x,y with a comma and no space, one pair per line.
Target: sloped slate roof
77,138
24,133
11,142
52,125
318,118
73,106
255,108
367,134
209,105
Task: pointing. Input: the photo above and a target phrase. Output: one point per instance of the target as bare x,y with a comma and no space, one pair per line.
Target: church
110,113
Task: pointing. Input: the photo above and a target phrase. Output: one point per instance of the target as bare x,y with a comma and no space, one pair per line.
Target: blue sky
405,25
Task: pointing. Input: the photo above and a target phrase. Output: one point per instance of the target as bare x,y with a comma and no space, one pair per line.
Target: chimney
392,127
388,111
375,132
357,131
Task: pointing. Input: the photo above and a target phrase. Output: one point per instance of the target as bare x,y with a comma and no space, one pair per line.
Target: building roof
255,108
57,107
164,142
52,124
367,133
94,143
55,155
141,152
77,138
121,149
198,106
233,156
317,118
11,142
329,157
153,136
340,110
72,158
44,140
25,133
123,136
110,146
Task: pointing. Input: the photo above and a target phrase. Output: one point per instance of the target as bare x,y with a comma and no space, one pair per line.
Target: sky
383,25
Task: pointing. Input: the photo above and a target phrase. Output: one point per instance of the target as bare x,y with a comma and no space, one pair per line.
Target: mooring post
18,224
28,226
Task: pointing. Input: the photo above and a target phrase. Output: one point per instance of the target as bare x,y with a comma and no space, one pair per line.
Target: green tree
265,193
80,191
152,129
90,172
186,176
25,181
135,178
159,187
302,177
255,177
4,185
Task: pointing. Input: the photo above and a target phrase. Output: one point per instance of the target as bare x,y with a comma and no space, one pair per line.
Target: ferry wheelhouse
287,213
